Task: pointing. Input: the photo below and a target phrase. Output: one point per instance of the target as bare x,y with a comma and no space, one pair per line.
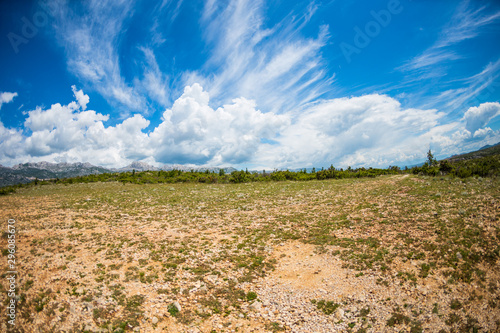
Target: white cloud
155,83
466,23
371,130
193,132
190,132
59,128
91,42
82,98
478,86
483,132
477,117
6,97
11,144
275,66
468,91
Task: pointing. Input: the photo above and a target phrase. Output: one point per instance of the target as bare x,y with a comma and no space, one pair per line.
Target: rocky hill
27,172
483,152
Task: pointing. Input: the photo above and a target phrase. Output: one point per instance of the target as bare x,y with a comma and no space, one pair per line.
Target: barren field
388,254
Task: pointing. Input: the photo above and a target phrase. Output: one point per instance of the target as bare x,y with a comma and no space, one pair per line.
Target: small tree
430,158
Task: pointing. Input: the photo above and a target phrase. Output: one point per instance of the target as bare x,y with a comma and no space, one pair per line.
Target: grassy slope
491,151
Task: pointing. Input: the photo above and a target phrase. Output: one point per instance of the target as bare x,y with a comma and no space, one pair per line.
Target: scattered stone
256,306
339,314
178,306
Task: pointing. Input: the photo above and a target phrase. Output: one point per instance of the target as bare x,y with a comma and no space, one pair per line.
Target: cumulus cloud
59,128
479,116
6,97
70,133
82,99
193,132
483,132
11,144
190,132
370,130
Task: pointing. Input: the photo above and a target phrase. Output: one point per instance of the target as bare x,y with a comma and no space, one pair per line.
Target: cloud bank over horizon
370,130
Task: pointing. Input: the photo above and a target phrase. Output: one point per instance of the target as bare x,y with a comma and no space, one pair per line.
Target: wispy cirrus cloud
467,23
246,58
154,81
433,70
473,87
274,65
91,42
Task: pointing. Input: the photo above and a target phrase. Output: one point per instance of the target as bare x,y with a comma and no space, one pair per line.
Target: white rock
339,314
178,306
257,306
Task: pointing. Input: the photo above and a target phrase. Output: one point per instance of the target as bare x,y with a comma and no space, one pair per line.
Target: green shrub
251,296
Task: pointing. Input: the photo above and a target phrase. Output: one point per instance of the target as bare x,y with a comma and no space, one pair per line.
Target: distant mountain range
27,172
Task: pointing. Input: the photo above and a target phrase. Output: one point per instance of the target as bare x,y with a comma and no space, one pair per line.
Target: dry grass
107,255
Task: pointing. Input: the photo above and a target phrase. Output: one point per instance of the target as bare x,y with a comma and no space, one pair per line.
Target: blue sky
281,84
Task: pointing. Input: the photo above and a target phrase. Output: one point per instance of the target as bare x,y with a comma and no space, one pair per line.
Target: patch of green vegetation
364,311
275,327
455,304
327,307
172,309
453,318
251,296
40,301
400,319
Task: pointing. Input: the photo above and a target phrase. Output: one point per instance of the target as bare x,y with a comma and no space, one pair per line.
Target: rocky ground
390,254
